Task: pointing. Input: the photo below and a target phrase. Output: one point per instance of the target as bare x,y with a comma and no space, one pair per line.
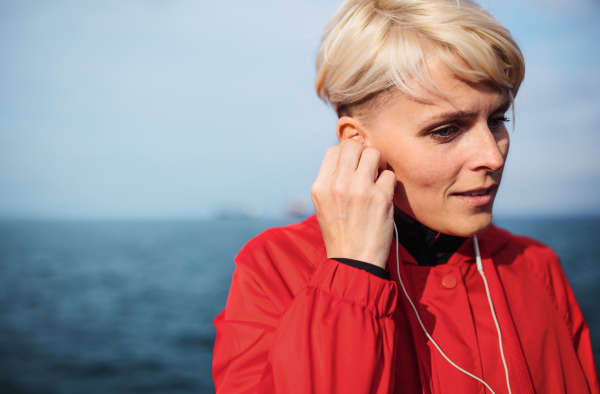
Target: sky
184,109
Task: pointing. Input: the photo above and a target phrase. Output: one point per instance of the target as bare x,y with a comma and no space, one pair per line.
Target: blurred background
142,143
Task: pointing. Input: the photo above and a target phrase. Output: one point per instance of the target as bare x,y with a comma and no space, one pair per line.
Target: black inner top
427,246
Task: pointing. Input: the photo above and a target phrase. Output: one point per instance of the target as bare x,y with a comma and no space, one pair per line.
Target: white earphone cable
429,336
487,290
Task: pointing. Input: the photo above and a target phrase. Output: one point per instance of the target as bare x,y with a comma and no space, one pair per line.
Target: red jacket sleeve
580,333
292,327
554,279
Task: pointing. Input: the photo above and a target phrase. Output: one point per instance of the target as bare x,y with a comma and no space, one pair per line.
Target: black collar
427,246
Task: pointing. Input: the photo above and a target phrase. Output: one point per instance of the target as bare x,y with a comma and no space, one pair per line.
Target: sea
127,307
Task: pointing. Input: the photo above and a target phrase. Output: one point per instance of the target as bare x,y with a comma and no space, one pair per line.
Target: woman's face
448,154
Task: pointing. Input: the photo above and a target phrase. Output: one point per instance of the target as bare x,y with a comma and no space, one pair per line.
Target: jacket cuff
356,285
370,268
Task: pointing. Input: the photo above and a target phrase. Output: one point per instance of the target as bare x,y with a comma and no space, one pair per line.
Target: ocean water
127,307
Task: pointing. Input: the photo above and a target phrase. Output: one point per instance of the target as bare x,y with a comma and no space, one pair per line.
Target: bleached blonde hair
372,46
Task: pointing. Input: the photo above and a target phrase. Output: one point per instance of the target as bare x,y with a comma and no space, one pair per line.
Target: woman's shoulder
303,238
533,260
500,241
289,253
525,253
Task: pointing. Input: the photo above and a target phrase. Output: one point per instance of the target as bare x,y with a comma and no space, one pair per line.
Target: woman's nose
489,149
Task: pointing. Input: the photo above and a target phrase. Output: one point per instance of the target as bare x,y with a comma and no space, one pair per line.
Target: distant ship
299,207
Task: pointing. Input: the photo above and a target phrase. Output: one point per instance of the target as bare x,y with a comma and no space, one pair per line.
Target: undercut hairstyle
373,48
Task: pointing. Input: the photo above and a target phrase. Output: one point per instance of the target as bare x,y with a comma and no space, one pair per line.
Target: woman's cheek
429,171
423,179
422,170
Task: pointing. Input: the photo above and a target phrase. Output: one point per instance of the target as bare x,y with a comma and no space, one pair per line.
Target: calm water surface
127,307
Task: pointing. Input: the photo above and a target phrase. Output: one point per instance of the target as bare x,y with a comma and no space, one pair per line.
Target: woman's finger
369,162
330,161
349,158
387,182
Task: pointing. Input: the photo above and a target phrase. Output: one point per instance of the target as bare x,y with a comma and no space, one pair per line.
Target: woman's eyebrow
467,114
504,106
453,115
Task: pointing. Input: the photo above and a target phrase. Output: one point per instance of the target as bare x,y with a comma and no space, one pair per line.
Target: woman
399,283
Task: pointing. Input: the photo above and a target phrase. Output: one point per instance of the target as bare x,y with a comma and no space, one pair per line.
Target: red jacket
298,322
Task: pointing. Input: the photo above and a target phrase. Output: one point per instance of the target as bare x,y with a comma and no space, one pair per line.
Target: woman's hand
353,196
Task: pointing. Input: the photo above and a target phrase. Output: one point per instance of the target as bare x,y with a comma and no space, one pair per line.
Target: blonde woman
400,283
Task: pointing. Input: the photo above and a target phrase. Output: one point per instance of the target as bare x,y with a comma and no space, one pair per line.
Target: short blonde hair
371,46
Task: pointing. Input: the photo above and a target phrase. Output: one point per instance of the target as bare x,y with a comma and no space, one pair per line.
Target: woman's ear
350,129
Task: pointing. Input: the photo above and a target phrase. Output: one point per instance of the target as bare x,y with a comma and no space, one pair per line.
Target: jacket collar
426,246
415,237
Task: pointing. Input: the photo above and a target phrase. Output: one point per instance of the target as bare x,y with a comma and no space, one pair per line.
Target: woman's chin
470,225
459,224
453,220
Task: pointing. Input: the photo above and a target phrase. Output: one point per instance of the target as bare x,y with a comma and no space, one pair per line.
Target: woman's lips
477,198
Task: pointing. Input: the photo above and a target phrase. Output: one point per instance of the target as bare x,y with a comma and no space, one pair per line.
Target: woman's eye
445,134
496,123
